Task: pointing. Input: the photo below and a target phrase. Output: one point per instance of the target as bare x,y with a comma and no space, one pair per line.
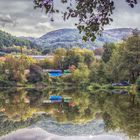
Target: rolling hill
68,38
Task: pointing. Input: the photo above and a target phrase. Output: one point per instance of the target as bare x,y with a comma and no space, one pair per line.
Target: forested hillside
9,43
69,38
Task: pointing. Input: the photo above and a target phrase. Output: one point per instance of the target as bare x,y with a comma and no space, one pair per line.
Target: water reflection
87,113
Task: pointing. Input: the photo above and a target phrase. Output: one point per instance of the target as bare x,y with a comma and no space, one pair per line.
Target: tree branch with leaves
92,15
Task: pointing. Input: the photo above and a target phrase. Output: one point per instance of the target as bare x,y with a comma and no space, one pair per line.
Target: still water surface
97,115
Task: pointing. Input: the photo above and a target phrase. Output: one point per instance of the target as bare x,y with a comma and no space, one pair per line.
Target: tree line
119,62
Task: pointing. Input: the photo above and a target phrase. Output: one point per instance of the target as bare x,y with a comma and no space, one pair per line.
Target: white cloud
125,20
34,22
44,16
7,20
43,25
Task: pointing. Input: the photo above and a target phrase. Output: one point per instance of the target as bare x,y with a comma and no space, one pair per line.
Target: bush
81,74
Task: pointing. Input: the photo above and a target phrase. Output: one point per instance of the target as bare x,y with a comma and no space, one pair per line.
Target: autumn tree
59,56
15,67
124,63
73,57
81,74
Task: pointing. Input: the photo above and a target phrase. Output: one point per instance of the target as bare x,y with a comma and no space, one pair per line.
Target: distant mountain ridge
68,38
65,38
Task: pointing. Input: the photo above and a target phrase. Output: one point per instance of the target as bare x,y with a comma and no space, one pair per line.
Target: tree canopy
93,15
124,62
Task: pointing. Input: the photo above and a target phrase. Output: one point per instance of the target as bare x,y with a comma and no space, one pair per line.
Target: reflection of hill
90,128
7,126
40,134
108,111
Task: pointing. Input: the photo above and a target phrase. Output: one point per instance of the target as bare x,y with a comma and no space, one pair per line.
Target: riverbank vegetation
119,62
116,105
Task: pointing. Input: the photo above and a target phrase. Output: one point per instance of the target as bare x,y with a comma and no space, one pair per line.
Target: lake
98,115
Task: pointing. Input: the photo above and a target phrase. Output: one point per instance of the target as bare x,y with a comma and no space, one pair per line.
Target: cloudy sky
19,18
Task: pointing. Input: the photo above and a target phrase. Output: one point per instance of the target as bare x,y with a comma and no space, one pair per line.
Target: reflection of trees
6,125
16,110
35,97
16,105
118,111
79,113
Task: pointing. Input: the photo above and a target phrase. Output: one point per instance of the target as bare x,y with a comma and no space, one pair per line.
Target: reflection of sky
70,120
40,134
19,18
